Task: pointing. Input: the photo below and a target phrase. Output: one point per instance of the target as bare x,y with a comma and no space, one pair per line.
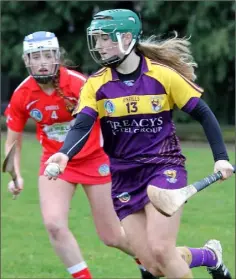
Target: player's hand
224,167
16,187
61,160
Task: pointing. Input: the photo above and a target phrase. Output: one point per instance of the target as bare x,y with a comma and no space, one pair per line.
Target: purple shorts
129,184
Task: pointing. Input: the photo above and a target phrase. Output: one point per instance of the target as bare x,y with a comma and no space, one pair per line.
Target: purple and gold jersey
136,121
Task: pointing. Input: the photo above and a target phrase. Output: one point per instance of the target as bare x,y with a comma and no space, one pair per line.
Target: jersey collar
144,68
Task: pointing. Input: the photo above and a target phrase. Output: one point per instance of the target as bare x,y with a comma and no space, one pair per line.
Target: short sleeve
184,93
87,101
15,113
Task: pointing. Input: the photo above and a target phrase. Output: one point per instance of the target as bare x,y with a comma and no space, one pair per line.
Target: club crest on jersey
109,107
36,114
124,197
156,103
104,170
171,175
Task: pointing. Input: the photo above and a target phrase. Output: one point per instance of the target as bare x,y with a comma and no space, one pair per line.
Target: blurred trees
211,25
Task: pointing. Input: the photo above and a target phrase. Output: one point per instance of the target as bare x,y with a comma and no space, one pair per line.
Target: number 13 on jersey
132,107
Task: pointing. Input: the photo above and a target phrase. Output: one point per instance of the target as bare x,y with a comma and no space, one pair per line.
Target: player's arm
78,135
86,115
12,137
16,118
187,96
204,115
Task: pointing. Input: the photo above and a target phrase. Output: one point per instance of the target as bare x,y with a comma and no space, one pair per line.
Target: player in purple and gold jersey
134,96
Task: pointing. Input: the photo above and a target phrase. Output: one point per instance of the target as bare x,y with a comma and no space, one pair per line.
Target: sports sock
80,271
198,256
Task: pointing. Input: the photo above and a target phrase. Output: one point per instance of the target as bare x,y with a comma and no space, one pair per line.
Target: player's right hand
14,188
59,158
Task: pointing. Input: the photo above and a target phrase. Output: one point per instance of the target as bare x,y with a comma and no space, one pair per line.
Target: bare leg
132,224
161,236
107,224
154,244
55,197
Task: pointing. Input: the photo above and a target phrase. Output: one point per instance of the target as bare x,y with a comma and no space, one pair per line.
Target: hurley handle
210,179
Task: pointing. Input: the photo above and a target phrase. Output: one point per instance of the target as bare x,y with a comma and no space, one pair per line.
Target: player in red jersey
48,95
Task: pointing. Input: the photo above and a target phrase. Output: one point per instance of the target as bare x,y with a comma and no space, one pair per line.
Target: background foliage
211,25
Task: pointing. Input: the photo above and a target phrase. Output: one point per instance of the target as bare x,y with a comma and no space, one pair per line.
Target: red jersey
49,112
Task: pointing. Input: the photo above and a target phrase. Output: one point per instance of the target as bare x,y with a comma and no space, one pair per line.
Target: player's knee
161,252
55,229
111,236
111,240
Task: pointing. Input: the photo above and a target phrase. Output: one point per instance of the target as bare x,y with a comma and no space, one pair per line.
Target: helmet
113,23
39,42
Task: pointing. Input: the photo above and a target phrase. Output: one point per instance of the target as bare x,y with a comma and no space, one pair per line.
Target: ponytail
56,82
173,52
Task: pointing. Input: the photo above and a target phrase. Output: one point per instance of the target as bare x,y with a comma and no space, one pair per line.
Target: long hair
173,52
65,62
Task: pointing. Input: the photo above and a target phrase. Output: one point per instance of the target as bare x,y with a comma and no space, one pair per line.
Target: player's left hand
224,167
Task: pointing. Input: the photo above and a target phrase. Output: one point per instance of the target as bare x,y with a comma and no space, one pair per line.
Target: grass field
26,252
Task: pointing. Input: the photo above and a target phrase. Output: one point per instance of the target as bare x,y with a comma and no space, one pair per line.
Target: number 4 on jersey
54,115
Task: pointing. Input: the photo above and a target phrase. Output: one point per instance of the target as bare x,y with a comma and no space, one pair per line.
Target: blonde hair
173,52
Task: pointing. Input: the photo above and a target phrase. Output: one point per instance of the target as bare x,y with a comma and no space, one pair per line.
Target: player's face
105,46
42,62
104,50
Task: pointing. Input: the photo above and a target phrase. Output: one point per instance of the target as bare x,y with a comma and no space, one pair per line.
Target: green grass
26,252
